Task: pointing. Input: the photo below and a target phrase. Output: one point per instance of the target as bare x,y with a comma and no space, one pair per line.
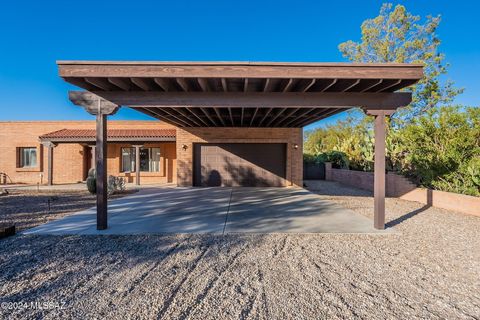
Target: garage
239,164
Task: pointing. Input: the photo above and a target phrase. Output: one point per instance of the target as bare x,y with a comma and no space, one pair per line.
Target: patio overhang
242,94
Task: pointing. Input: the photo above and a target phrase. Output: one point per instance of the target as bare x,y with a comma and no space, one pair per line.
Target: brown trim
68,69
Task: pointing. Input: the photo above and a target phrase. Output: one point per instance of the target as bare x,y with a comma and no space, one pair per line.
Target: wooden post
379,166
93,157
379,172
49,145
99,107
137,164
101,171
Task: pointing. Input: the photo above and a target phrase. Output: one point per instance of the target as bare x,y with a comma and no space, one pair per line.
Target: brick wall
69,164
290,136
400,187
395,185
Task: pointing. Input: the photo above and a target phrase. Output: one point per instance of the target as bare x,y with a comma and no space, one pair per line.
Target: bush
439,150
115,185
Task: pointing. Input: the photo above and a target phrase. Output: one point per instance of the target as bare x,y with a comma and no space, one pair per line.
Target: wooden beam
224,84
195,115
280,112
171,112
205,112
142,83
231,116
318,116
372,86
289,114
329,85
253,116
183,83
92,103
384,100
354,84
204,84
122,83
159,114
302,114
389,86
239,70
265,116
219,116
100,83
183,113
312,82
269,83
289,85
162,83
245,85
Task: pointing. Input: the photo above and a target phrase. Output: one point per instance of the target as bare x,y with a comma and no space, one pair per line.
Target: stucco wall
291,136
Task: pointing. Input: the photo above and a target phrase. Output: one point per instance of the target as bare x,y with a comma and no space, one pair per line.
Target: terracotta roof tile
112,133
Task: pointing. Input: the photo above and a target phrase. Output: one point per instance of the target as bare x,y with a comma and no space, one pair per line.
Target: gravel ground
29,208
429,268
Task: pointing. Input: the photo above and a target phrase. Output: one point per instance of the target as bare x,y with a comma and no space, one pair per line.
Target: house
233,157
26,145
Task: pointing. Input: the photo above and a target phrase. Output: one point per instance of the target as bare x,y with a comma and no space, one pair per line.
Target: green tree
396,35
441,149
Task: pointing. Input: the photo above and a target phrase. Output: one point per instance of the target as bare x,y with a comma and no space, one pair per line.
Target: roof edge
237,63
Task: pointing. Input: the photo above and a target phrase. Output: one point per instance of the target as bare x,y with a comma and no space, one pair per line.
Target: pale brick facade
291,136
70,162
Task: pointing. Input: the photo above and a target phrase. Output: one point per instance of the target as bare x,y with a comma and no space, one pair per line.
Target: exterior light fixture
295,146
184,147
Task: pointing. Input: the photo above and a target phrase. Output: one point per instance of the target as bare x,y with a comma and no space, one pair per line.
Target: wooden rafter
205,112
183,83
122,83
265,116
219,116
253,116
198,117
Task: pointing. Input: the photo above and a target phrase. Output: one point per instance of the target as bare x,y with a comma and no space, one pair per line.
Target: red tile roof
114,134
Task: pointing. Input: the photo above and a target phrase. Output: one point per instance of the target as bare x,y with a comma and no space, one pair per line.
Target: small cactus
92,181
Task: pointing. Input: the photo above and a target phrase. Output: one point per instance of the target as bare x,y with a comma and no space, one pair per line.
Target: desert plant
92,181
115,185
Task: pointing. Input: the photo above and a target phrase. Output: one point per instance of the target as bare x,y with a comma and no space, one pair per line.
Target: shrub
439,150
115,185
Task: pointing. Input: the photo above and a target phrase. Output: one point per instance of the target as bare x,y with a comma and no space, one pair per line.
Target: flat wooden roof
161,88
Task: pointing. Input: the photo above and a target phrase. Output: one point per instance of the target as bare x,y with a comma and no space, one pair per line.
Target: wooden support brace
100,108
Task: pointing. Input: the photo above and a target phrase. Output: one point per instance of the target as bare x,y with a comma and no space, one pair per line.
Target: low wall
398,186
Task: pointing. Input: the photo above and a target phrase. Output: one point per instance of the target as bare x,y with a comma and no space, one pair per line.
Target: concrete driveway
215,210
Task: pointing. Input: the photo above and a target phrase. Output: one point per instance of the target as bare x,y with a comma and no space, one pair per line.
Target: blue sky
34,34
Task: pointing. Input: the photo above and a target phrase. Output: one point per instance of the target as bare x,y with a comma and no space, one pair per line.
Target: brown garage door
240,164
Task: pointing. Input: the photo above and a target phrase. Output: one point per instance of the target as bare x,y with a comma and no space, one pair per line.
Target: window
149,159
128,159
28,157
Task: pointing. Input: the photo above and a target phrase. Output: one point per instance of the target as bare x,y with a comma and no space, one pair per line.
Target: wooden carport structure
240,94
